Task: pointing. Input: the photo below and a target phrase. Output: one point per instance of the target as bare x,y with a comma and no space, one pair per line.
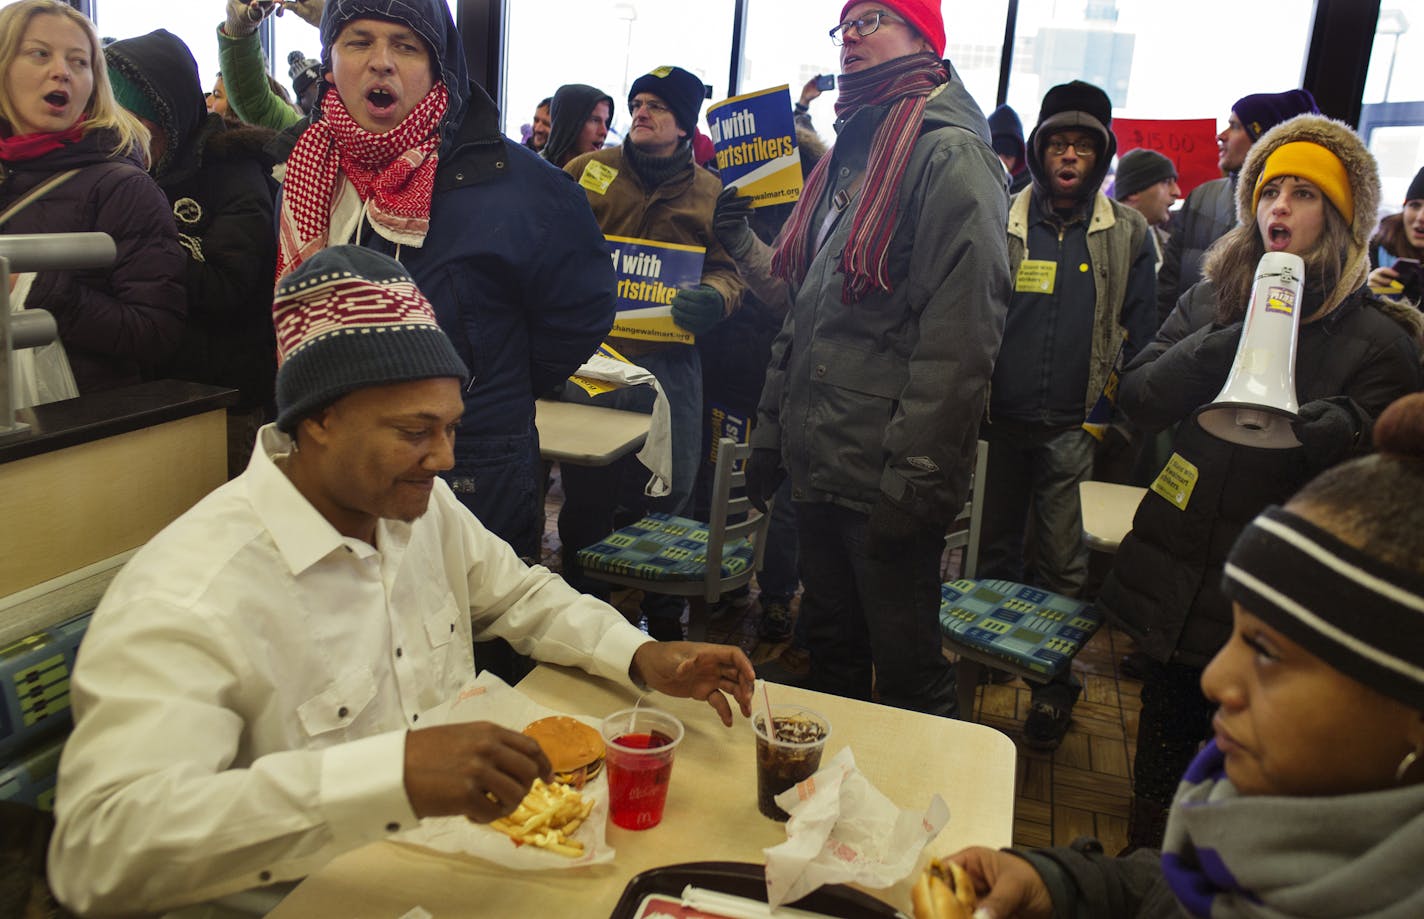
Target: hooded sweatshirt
221,199
572,106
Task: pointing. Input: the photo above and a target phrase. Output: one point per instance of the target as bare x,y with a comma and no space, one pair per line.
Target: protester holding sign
655,205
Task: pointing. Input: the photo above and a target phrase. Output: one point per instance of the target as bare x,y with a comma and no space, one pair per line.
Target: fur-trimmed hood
1360,168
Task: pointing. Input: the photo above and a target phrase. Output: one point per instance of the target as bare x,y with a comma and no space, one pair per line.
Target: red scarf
904,84
22,147
394,173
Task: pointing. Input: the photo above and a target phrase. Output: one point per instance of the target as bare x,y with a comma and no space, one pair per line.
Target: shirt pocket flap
442,621
340,704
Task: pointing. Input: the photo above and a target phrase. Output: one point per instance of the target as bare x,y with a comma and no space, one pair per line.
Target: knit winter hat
302,71
348,318
925,17
1361,615
1073,105
682,91
1310,161
1259,112
1139,169
1006,129
1416,188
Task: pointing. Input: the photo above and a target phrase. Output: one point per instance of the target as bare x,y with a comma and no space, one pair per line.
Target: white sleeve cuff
363,788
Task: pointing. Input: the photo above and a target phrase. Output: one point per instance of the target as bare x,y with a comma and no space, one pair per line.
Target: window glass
196,23
1397,60
786,42
1159,64
609,45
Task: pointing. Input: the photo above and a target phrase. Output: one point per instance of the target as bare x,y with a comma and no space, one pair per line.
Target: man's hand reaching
697,670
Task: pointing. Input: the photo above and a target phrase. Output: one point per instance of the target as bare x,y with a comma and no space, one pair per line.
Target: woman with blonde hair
1309,187
72,160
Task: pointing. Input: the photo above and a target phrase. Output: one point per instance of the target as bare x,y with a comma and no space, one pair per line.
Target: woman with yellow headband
1308,187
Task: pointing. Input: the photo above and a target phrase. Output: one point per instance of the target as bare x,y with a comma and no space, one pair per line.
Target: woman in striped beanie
1309,800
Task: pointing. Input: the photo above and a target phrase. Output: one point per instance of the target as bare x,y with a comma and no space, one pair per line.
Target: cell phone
1407,269
826,81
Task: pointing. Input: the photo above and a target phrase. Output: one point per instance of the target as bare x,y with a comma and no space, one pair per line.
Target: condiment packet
491,699
844,830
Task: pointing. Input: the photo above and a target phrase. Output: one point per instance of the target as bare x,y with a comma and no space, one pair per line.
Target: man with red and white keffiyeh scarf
897,263
404,155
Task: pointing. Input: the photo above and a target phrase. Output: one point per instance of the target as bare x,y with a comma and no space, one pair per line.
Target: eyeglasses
864,26
653,107
1080,147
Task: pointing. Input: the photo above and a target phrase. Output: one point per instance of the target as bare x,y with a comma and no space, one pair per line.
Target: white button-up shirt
242,695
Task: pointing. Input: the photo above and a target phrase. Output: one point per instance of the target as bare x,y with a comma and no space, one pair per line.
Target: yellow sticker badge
1035,277
1280,300
660,72
597,177
1176,481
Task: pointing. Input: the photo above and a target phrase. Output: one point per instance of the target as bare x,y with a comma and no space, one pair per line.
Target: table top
711,811
1108,510
587,435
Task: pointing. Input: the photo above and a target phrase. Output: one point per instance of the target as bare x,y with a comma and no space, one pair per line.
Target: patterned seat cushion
1026,626
661,547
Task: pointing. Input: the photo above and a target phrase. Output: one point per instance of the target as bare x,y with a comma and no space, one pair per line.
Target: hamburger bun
574,749
944,891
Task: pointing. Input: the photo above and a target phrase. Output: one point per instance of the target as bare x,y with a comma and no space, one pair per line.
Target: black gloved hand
764,476
698,310
1217,348
1329,430
730,224
892,530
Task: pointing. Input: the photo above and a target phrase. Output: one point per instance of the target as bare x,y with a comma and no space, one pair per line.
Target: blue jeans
872,620
1035,469
599,499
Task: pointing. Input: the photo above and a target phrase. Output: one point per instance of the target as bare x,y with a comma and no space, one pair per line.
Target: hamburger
574,749
944,891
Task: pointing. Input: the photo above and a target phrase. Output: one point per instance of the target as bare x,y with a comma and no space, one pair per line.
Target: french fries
547,818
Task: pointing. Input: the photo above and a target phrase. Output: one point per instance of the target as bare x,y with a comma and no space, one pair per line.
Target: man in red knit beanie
897,266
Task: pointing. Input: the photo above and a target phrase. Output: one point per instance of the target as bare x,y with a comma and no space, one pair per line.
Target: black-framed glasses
1080,147
865,25
653,106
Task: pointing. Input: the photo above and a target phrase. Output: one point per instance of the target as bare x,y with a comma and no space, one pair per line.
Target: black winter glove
1329,430
764,476
892,530
698,310
1217,348
730,224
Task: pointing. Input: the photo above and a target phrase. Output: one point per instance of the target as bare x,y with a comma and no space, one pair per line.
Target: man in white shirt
250,694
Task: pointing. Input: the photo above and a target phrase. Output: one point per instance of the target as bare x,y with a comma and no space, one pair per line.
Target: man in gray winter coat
897,260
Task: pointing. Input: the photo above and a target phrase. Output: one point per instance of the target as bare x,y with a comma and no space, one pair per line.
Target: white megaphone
1257,405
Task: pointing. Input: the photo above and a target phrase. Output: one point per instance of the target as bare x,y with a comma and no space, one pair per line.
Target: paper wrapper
491,699
844,830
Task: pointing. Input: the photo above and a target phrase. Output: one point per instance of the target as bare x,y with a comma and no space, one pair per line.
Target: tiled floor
1082,788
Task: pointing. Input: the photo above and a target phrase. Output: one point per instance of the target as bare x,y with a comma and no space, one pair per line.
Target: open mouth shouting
381,103
58,101
1278,237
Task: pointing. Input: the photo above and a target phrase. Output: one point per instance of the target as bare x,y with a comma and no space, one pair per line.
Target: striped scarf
903,84
394,174
1233,856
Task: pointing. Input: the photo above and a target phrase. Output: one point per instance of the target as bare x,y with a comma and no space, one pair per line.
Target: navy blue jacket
516,268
